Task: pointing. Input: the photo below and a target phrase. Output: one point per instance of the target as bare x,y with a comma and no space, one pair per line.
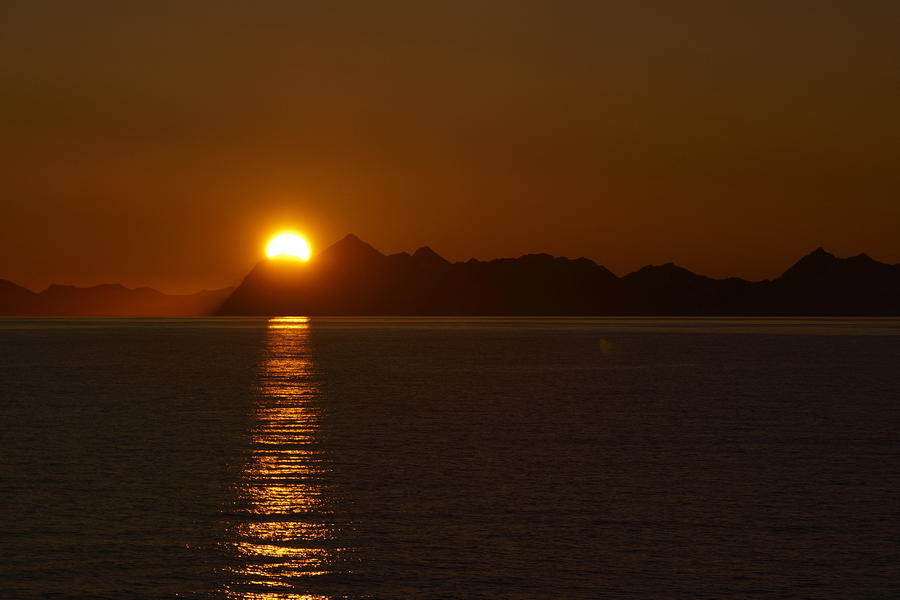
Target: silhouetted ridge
427,256
107,300
353,278
15,299
821,284
672,290
663,275
814,264
350,250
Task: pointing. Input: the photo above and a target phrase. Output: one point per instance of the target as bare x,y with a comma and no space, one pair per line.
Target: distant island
107,300
351,278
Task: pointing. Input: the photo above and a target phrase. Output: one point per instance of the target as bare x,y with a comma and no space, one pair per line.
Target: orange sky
158,143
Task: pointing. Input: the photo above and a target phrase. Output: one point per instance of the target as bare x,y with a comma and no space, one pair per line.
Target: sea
300,458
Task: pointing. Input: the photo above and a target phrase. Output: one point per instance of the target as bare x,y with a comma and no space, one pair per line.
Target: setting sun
288,245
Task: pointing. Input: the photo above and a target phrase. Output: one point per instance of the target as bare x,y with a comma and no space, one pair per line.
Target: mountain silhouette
106,300
16,300
670,290
351,278
821,284
428,257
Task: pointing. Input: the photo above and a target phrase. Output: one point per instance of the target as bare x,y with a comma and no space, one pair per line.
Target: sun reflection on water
284,534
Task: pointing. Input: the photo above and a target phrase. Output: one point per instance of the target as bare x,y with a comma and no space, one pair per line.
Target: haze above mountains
352,278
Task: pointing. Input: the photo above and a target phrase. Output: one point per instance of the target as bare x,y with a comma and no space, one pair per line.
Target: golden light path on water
284,535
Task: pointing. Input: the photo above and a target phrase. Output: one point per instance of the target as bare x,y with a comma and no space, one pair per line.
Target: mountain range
111,300
352,278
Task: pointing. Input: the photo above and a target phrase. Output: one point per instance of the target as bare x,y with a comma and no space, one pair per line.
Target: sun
288,245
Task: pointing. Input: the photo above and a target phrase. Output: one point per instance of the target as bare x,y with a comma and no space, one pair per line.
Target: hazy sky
155,143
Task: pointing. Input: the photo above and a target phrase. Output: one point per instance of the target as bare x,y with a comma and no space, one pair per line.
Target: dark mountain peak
429,257
350,249
539,258
863,259
8,287
353,243
820,265
547,263
661,275
863,264
401,260
816,263
15,299
821,284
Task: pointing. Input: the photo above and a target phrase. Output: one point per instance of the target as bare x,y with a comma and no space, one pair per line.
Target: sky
161,143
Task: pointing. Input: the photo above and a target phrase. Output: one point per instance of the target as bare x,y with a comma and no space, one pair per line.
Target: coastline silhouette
351,278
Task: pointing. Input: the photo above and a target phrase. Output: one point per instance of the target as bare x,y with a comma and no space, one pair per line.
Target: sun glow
288,245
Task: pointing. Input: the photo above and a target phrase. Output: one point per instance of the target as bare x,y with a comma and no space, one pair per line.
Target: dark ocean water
449,458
